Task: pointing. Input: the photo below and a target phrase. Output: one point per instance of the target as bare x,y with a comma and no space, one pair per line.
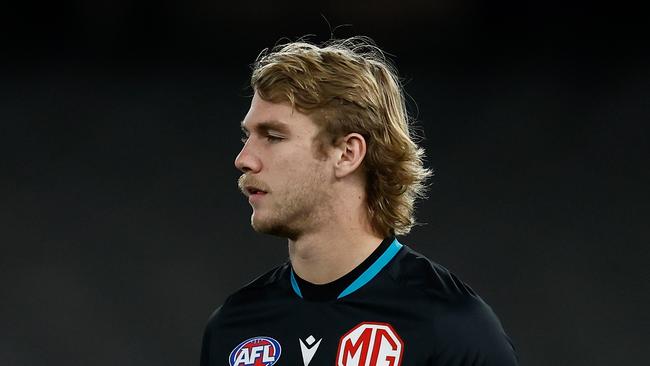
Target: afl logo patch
370,344
257,351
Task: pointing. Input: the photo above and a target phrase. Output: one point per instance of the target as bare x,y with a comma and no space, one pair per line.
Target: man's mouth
254,191
250,187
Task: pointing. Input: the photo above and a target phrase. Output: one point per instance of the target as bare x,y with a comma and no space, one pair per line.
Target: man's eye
271,138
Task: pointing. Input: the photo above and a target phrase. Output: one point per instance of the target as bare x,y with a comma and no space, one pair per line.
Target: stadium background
121,227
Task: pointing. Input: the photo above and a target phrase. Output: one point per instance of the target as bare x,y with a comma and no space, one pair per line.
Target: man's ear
350,152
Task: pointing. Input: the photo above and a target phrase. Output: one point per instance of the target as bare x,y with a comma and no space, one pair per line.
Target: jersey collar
384,253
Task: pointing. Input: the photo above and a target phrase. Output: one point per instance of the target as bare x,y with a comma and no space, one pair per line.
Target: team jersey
396,308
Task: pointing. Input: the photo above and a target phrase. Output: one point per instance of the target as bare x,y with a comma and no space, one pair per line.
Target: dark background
121,227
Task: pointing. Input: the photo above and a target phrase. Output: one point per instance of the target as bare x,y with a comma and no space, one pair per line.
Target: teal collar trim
366,276
294,284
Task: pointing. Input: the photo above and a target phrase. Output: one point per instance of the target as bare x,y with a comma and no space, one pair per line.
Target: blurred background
122,229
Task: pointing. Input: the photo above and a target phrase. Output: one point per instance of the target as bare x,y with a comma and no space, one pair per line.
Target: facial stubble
301,205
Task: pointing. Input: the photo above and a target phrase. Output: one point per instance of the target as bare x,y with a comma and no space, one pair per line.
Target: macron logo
308,349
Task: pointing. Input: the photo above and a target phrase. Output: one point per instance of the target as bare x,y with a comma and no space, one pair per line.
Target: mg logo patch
257,351
370,344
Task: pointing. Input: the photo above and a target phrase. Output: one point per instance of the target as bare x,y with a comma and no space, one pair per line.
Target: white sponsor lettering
248,356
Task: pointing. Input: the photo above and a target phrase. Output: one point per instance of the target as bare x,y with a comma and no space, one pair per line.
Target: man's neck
327,255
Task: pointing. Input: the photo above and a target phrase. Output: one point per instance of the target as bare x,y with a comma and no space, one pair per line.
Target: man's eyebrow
268,125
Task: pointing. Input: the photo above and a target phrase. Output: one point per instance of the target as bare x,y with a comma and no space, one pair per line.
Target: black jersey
396,308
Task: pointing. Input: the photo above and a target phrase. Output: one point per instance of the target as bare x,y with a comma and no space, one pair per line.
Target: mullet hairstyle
349,86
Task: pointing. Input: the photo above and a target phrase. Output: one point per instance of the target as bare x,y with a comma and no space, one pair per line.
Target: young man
329,163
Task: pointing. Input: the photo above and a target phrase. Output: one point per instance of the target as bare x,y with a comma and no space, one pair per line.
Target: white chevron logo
308,350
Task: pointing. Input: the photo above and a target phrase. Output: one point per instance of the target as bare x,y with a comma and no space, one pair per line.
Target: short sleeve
468,333
207,339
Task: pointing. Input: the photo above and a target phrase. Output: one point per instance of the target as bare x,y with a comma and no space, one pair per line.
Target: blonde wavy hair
349,86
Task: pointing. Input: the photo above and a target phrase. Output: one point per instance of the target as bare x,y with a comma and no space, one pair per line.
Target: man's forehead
277,116
266,113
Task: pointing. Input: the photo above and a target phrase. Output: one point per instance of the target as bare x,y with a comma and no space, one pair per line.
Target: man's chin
272,228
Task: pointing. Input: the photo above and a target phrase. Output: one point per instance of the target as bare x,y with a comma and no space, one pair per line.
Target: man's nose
247,161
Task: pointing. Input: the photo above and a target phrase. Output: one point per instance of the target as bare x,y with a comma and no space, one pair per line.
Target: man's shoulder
270,278
269,282
413,270
462,322
263,288
436,288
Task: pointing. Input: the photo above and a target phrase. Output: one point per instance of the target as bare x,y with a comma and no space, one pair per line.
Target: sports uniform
396,308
